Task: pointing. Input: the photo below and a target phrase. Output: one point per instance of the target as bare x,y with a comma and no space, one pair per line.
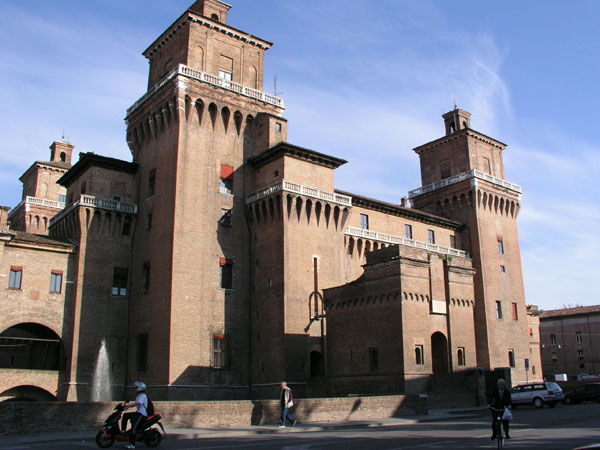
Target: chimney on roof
61,151
404,202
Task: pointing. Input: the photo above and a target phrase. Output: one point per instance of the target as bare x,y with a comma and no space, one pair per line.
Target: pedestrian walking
286,401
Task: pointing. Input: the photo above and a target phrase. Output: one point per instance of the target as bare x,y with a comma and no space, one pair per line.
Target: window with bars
56,282
220,353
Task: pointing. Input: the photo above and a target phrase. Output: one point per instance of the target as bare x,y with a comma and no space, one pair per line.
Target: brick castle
222,259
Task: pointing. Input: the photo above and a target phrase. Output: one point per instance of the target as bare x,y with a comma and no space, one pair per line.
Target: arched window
419,355
461,356
214,17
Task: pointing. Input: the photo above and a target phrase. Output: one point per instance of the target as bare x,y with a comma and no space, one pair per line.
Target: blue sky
362,80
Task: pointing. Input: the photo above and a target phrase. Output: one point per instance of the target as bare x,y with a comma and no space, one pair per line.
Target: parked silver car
537,394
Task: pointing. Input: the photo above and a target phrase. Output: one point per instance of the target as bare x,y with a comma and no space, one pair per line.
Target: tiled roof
570,311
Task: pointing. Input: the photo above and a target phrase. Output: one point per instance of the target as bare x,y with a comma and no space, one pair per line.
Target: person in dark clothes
500,399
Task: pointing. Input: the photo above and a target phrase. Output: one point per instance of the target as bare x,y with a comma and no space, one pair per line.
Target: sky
362,80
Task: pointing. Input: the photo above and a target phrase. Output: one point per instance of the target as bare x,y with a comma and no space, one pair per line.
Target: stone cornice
189,17
294,151
465,132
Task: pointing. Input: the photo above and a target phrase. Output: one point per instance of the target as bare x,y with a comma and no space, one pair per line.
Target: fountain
101,384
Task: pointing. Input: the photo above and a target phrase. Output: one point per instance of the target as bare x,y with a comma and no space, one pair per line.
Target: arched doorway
30,346
316,364
26,393
439,353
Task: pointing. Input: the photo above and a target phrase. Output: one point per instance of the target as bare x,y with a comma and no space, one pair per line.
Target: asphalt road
563,427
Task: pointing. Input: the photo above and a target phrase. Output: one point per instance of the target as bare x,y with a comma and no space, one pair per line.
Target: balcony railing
39,202
213,80
96,202
464,176
391,239
290,186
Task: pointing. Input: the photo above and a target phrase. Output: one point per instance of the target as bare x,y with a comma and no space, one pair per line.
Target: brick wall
37,417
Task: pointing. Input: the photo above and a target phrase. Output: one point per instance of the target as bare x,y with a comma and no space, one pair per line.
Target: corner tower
462,177
203,116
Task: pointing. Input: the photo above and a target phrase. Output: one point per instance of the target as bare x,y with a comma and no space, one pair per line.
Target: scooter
111,430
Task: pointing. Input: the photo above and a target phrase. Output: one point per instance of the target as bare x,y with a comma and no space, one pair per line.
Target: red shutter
226,172
225,261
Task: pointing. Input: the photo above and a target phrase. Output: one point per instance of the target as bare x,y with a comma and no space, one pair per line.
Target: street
563,427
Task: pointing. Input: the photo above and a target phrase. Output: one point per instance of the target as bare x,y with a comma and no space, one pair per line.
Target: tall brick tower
203,116
43,197
462,177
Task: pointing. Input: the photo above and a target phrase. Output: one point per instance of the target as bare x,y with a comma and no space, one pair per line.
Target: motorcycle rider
137,417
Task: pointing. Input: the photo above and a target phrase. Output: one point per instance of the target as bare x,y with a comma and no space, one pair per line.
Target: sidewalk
195,433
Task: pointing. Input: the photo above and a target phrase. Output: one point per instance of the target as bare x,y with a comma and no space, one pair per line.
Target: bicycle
498,431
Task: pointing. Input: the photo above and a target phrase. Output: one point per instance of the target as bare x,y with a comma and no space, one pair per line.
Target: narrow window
277,126
83,187
226,273
553,339
61,198
408,231
364,222
373,360
225,217
119,284
498,309
220,359
149,221
419,355
56,282
578,338
146,277
515,314
431,236
533,370
502,269
141,356
531,332
580,354
226,185
151,182
225,67
500,247
126,227
511,358
461,356
452,241
14,280
554,356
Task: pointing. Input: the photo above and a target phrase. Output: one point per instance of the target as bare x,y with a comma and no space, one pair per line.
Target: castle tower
42,197
203,116
462,177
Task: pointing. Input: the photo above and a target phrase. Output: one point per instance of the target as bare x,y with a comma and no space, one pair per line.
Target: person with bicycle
500,399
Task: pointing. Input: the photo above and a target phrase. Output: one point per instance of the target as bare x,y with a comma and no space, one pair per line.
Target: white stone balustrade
464,176
213,80
391,239
39,202
96,202
296,188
